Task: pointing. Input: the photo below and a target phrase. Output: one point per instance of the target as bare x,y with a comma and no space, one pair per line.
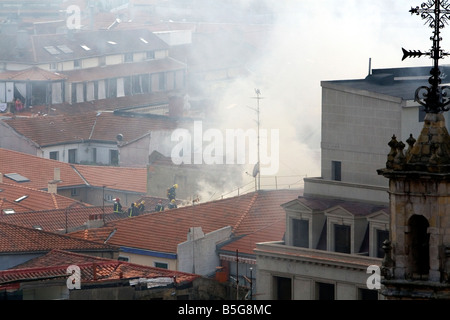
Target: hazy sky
316,40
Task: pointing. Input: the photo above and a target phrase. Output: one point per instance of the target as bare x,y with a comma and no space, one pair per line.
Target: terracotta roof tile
60,220
120,178
163,231
32,74
38,170
93,269
21,199
46,131
17,239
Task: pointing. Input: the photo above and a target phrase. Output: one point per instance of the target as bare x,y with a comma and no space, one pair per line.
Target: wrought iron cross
433,98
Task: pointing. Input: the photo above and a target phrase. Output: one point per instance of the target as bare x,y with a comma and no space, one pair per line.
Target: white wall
198,254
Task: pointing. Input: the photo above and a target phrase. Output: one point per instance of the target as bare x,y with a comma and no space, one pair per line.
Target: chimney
56,174
95,221
22,39
52,187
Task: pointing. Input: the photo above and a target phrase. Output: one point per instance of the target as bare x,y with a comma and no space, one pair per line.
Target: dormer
304,223
345,231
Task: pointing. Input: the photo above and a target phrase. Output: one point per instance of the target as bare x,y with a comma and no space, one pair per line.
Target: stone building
417,261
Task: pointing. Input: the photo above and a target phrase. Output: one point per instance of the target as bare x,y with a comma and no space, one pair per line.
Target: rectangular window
72,155
77,64
283,288
94,155
324,291
422,114
336,170
342,238
114,157
300,233
150,55
122,258
74,192
54,155
128,57
381,236
161,265
161,81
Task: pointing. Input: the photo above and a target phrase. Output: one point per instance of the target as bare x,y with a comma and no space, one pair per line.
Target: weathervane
433,98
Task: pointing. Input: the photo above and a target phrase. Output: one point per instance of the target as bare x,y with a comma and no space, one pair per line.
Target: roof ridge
252,201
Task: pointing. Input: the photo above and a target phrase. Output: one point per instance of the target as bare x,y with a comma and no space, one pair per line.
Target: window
381,236
161,81
336,170
300,233
122,258
72,155
74,192
324,291
128,57
162,265
150,54
77,63
94,155
54,155
422,114
419,242
283,288
342,238
114,157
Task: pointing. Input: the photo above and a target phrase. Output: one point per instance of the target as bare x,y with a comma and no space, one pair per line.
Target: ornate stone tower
417,260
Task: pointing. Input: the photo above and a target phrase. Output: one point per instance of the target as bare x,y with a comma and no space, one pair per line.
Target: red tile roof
22,199
246,214
16,239
60,220
120,178
123,69
32,74
38,170
93,269
105,126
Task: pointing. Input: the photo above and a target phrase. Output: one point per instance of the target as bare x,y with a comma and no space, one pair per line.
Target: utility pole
258,97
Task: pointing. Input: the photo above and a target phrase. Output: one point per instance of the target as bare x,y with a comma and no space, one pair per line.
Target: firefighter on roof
117,206
171,192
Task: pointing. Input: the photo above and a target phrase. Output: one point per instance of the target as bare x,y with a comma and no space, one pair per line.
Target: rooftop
18,239
92,269
258,214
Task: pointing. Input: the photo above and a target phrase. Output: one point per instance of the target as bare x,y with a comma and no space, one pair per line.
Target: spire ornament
434,98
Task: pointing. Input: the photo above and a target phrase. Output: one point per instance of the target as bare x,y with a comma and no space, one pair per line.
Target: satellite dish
119,137
255,170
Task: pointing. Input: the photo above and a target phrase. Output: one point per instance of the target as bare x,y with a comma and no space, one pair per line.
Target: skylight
16,177
143,40
112,42
85,47
64,48
52,50
21,198
8,211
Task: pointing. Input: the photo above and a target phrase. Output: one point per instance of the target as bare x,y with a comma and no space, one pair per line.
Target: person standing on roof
159,207
171,192
117,206
132,210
